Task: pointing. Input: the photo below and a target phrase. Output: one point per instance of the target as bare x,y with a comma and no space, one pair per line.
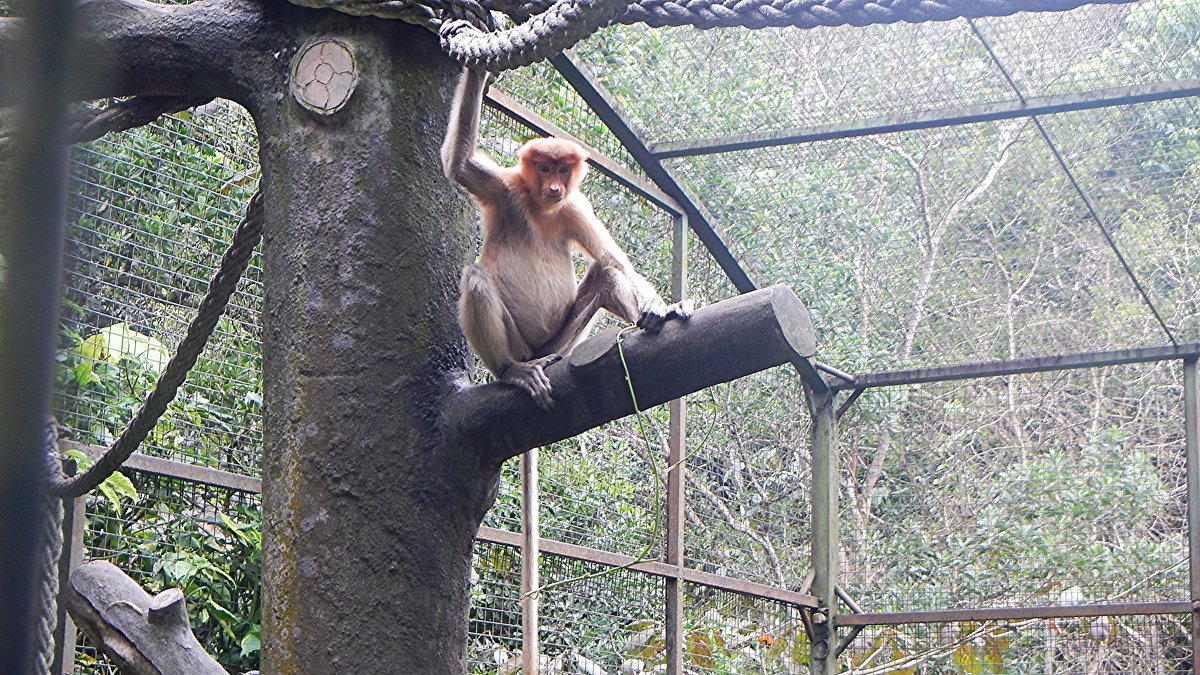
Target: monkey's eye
564,170
544,169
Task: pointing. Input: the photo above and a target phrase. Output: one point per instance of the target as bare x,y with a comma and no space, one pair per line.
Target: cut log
720,343
144,635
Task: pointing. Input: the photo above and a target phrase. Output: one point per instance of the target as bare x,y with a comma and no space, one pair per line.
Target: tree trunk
369,517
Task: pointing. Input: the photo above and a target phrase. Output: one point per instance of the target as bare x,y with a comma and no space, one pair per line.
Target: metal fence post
676,480
530,535
1191,423
825,532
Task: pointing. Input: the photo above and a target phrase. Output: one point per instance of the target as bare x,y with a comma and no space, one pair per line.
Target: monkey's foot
657,313
530,377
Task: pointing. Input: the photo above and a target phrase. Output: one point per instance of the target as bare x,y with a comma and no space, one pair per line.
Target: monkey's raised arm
461,161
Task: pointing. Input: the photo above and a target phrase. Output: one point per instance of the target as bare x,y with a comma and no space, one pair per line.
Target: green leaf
121,485
80,458
120,341
182,569
83,373
250,643
226,617
968,658
111,495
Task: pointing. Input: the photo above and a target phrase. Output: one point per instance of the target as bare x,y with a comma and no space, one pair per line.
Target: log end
592,350
794,320
168,608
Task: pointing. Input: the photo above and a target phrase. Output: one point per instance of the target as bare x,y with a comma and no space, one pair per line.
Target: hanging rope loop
560,27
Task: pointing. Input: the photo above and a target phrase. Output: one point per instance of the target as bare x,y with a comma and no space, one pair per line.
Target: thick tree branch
145,635
133,47
721,342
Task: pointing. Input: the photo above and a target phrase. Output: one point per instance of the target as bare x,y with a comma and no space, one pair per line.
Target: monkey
521,307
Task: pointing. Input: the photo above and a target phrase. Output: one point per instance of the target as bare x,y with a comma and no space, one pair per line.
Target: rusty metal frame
676,478
1191,442
1015,613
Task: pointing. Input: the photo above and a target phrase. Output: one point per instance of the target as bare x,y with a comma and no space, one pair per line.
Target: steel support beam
1041,105
606,108
164,467
658,569
1036,364
530,579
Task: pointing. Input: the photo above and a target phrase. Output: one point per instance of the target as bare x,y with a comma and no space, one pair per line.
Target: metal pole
1191,434
677,435
33,224
825,533
530,535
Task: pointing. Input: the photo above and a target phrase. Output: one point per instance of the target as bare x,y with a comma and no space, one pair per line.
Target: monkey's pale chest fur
530,263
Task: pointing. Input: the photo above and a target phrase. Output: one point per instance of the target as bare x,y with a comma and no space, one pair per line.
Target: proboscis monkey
521,307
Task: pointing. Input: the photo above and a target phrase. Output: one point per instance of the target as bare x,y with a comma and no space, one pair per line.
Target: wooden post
676,480
825,532
530,581
74,526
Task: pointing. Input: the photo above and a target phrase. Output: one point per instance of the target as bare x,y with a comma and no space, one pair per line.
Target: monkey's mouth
552,197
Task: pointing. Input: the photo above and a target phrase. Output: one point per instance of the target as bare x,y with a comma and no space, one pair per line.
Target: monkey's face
551,168
554,181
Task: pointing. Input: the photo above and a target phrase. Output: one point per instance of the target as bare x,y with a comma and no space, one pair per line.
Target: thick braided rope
806,13
569,21
813,13
560,27
233,263
428,13
52,546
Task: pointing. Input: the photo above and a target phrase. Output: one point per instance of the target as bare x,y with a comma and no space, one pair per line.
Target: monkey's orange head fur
552,168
